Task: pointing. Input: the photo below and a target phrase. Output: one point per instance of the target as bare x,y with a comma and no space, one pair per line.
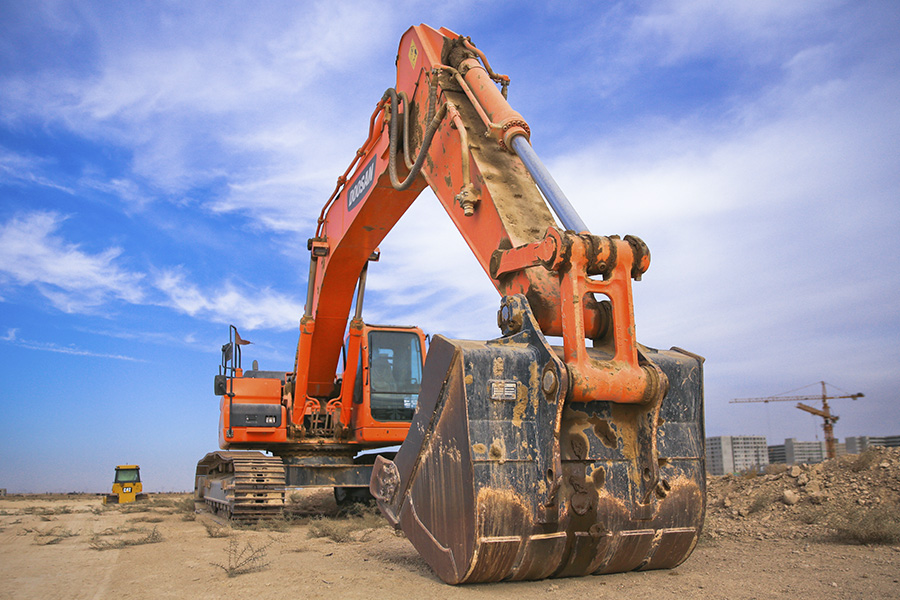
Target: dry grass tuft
761,502
246,559
54,535
43,511
121,530
162,503
216,530
751,473
147,519
135,507
281,524
186,508
153,537
866,525
185,505
344,529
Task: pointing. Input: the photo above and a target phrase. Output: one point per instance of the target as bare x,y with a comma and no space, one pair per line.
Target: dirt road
71,547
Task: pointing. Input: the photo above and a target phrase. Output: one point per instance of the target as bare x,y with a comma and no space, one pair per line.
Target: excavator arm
462,131
524,460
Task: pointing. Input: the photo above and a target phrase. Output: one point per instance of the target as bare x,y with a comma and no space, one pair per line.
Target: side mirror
220,385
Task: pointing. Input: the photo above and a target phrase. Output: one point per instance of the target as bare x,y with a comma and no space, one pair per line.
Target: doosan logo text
361,186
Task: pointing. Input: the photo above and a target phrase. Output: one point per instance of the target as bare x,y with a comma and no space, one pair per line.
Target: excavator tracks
244,486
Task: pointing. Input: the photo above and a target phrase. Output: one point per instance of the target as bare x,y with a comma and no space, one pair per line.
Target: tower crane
825,412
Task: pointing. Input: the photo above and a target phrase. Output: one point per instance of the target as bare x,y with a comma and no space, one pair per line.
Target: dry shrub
187,508
121,530
246,559
866,525
279,524
775,468
864,461
750,473
185,505
44,511
762,501
151,538
216,530
54,535
342,529
147,519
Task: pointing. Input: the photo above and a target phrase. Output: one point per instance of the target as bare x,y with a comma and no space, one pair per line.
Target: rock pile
808,501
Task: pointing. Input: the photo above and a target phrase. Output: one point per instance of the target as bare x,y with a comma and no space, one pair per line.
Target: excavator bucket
500,478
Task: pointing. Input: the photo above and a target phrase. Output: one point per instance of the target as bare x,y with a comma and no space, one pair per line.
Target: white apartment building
734,454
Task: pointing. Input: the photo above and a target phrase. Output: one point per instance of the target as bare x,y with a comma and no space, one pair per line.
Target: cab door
388,391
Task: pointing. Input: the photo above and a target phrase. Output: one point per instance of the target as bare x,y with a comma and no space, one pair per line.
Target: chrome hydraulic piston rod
548,186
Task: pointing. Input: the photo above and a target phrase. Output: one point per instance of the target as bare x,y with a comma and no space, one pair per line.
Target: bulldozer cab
127,474
126,486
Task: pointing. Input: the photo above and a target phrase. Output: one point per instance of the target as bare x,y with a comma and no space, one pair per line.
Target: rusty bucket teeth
501,479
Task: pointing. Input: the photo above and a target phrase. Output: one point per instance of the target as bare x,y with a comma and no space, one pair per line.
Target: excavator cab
372,403
387,393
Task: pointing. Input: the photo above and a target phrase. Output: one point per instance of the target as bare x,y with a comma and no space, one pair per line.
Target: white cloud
126,190
71,350
264,309
427,276
209,94
32,253
20,169
685,29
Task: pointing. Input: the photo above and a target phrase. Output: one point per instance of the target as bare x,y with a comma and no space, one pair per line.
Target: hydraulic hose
423,151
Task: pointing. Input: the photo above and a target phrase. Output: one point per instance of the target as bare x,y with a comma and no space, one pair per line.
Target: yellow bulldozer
126,486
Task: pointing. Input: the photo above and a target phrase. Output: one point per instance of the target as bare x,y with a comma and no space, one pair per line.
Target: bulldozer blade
501,479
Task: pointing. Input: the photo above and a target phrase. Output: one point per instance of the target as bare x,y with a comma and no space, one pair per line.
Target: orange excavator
519,459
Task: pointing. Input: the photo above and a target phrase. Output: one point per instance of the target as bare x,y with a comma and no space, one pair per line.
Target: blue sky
162,165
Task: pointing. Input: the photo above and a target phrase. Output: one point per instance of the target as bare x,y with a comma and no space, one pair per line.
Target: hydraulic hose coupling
467,199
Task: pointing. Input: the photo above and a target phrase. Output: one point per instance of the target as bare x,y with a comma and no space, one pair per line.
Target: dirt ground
784,534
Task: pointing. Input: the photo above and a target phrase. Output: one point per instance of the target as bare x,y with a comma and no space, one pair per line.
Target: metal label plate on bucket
503,391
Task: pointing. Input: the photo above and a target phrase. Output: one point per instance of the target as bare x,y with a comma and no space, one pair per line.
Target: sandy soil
69,546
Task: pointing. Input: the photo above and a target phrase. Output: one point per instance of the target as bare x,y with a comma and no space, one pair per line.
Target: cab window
395,374
127,476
